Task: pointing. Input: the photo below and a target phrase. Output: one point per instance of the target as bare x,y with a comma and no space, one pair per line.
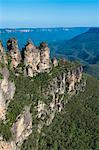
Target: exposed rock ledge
22,128
7,90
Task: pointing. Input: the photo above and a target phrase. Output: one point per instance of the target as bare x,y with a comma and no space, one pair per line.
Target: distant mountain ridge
83,47
38,35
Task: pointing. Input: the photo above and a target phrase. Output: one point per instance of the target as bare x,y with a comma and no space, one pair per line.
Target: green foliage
28,91
1,64
76,127
1,76
5,131
93,69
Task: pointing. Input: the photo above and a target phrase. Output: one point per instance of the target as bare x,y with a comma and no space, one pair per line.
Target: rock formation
14,52
65,82
4,145
44,57
55,62
7,90
22,128
36,59
31,59
73,77
3,57
61,80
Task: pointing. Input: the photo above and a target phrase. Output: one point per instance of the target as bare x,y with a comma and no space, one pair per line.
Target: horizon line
49,27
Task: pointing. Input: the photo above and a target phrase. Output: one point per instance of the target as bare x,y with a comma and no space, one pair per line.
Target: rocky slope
33,90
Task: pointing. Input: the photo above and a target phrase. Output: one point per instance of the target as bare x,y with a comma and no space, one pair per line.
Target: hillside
50,105
84,48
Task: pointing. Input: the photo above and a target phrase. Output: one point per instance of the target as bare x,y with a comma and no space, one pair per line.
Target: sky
48,13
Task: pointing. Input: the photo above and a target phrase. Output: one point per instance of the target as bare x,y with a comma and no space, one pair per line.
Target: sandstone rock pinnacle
44,57
14,52
31,58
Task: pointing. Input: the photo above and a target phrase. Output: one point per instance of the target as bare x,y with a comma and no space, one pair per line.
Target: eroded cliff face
63,81
73,78
67,83
7,88
22,128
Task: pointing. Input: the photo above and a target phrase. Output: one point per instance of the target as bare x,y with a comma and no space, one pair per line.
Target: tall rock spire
44,57
14,52
31,58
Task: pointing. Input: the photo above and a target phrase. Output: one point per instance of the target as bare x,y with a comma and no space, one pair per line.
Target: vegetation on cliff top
76,127
29,90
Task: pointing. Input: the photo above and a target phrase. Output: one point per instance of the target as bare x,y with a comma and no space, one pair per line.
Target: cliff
33,91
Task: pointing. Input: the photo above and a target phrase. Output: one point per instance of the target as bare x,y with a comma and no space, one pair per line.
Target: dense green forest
75,128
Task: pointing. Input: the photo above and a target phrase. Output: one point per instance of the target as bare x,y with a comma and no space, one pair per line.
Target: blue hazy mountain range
83,47
38,35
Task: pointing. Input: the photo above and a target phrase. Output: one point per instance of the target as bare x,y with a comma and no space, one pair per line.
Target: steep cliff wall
7,88
27,105
60,89
22,128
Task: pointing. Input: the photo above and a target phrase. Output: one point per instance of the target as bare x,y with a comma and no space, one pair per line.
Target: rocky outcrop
36,59
46,113
22,128
61,81
31,59
55,62
7,90
74,77
4,145
44,57
3,57
69,83
14,52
